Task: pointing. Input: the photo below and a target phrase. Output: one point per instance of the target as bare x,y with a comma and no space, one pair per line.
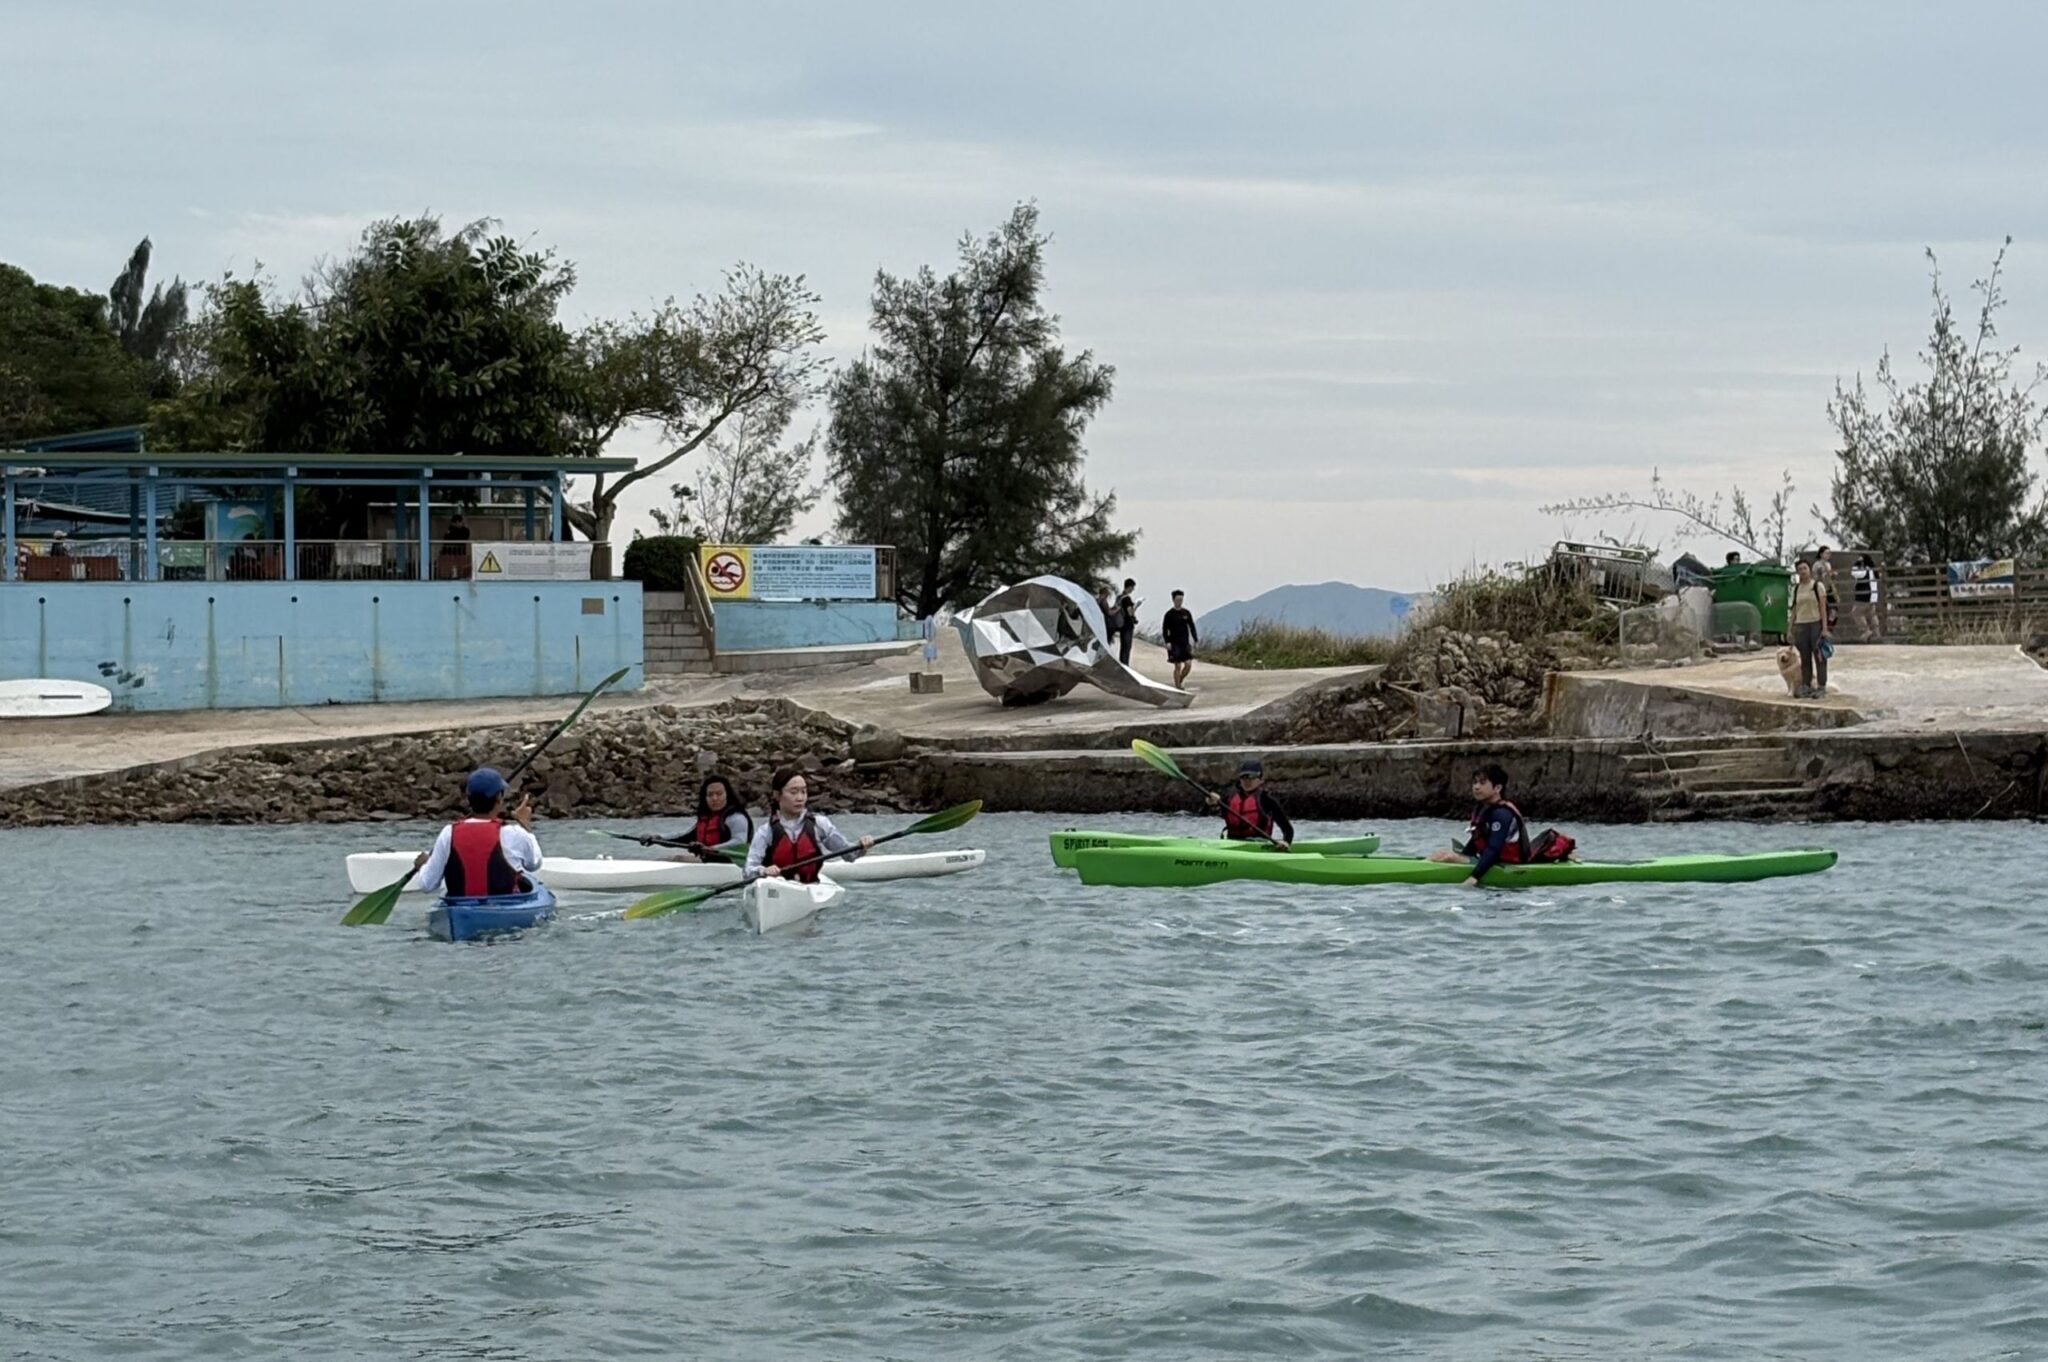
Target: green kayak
1157,867
1069,844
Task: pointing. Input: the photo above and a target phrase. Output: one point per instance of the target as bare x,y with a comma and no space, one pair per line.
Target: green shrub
1273,645
1523,607
661,562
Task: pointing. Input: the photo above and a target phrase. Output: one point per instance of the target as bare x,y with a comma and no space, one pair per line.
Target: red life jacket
1515,852
1244,816
476,860
710,830
785,851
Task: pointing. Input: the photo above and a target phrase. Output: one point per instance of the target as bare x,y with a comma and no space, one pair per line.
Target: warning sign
725,573
520,562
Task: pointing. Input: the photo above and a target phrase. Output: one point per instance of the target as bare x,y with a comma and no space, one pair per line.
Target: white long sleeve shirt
522,851
830,839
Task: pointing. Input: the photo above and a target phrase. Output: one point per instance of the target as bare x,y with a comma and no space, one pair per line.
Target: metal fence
240,560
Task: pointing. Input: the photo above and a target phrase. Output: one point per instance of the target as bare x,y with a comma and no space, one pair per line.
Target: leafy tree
748,353
149,328
1938,471
61,364
958,436
421,340
750,490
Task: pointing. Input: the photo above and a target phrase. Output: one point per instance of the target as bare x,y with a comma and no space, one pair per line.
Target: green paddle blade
1158,760
672,901
945,820
376,907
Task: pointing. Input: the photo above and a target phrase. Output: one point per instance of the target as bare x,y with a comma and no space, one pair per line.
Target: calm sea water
1004,1116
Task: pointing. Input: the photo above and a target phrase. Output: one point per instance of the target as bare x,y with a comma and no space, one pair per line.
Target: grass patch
1520,606
1272,645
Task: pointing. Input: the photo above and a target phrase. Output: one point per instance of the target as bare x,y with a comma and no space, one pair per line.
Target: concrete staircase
1746,778
674,643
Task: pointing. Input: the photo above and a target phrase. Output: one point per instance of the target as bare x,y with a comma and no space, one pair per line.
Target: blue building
184,581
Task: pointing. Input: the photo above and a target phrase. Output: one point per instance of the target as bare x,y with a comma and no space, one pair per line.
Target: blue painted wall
238,645
745,626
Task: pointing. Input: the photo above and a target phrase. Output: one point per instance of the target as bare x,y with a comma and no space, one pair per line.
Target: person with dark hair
1250,812
1811,632
721,821
1126,620
482,854
1178,629
793,834
1497,834
1863,610
1733,558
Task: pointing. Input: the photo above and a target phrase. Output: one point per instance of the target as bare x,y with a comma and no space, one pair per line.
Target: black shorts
1179,652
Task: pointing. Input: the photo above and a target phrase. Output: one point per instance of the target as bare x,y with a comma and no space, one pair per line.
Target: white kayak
773,903
372,870
47,699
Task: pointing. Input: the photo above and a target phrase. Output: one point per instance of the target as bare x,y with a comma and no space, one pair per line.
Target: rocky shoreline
638,764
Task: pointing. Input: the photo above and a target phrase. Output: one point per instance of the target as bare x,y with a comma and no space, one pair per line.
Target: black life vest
785,851
476,861
1245,817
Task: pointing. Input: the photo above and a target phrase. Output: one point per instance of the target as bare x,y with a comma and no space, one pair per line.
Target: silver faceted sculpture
1039,639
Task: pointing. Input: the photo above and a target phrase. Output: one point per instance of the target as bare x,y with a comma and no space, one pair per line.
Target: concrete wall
232,645
745,626
1580,706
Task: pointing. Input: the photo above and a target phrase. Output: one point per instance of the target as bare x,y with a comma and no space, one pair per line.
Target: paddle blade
376,907
1158,760
945,820
671,901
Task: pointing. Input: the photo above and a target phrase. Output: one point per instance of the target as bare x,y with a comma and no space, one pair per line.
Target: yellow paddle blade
674,901
376,907
1158,760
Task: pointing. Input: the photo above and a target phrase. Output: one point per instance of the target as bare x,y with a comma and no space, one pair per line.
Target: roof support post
291,526
8,478
152,568
426,528
555,510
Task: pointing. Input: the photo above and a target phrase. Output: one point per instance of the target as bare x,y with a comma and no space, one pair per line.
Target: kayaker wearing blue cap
1250,812
793,834
483,854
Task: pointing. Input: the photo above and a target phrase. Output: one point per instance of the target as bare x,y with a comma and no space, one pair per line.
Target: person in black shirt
1127,620
1178,629
1497,834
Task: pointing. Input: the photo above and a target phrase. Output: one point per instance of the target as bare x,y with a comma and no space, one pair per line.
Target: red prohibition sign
727,573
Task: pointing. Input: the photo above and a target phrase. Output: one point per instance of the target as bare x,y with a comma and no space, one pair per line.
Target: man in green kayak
1497,833
1250,812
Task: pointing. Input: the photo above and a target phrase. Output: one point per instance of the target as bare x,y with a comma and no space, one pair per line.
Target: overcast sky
1377,280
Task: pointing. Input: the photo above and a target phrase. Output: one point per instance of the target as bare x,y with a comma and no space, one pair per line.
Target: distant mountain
1345,610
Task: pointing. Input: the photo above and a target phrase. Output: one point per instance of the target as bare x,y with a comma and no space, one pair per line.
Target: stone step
1684,761
1749,799
1744,783
678,666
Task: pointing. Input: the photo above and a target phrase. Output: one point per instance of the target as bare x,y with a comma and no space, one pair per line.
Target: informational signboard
1984,577
792,572
517,561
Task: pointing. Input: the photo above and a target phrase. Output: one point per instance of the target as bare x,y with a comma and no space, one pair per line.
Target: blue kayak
466,919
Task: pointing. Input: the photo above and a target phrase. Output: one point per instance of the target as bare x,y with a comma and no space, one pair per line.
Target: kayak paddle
689,900
376,907
1162,762
735,852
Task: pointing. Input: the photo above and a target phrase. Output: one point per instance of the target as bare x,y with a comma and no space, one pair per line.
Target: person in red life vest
483,854
1498,835
721,820
793,834
1250,812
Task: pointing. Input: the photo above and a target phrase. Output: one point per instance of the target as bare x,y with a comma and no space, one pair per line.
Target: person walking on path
1178,629
1811,633
1126,620
1863,608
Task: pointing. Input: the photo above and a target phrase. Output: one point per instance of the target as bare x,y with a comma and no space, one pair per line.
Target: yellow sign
490,563
728,571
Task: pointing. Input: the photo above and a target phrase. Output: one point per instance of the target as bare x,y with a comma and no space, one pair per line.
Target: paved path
1898,688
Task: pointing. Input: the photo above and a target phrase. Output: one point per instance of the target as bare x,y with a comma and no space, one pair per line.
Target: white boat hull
49,699
372,870
777,902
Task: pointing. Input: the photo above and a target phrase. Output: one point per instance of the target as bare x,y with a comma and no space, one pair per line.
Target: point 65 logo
726,573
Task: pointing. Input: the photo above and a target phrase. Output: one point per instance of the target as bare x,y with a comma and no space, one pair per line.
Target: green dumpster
1766,586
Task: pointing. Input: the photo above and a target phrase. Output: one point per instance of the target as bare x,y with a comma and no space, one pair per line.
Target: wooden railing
1917,599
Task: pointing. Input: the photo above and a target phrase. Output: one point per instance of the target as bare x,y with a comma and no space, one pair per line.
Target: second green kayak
1145,867
1071,843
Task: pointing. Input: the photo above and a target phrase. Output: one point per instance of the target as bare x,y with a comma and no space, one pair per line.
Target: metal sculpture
1039,639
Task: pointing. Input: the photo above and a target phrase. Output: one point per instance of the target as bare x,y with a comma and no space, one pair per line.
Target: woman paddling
793,834
722,821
